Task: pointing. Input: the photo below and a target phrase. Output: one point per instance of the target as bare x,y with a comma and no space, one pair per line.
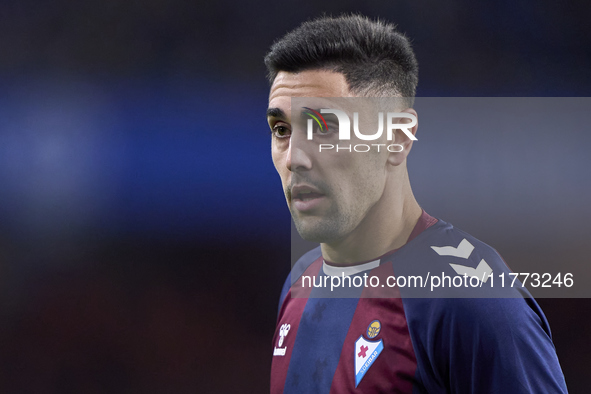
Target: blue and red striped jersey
413,339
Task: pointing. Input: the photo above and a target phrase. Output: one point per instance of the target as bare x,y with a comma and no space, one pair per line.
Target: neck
386,227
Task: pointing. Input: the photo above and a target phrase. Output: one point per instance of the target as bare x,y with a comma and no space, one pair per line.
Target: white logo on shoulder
464,250
482,271
283,331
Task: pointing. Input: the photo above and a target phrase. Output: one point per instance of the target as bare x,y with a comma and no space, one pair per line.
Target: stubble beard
336,222
328,227
322,227
339,220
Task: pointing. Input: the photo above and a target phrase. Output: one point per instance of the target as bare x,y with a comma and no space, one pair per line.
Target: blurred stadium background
144,237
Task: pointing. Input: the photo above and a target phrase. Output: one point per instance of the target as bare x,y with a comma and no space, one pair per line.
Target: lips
307,195
303,192
306,198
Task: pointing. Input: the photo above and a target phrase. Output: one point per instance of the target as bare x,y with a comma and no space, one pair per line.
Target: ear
402,141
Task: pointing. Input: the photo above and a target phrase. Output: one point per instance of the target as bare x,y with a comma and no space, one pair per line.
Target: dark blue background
144,236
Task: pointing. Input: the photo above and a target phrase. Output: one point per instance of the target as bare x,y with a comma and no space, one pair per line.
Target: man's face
329,193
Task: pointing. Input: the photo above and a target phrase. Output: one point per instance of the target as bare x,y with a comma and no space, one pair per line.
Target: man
358,204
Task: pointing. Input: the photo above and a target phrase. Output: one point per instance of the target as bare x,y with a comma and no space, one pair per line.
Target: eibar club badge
366,352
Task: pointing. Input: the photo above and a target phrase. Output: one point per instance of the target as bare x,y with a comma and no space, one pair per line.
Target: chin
312,236
317,232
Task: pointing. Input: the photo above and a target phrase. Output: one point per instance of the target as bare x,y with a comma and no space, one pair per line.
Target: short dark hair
375,59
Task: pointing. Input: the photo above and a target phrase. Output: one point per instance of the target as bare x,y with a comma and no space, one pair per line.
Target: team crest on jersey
283,331
366,352
374,329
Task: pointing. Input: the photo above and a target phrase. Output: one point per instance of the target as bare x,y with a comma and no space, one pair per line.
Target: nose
298,157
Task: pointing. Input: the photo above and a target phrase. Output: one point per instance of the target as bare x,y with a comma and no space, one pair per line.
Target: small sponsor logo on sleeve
283,331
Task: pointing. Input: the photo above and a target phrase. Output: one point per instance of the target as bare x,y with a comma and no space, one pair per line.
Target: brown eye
281,131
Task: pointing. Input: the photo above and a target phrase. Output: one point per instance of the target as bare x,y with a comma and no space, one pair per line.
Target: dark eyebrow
275,113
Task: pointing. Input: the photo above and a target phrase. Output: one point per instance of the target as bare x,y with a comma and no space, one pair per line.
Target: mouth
306,198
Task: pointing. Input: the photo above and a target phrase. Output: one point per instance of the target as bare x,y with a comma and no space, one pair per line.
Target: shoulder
447,253
443,241
447,259
486,336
